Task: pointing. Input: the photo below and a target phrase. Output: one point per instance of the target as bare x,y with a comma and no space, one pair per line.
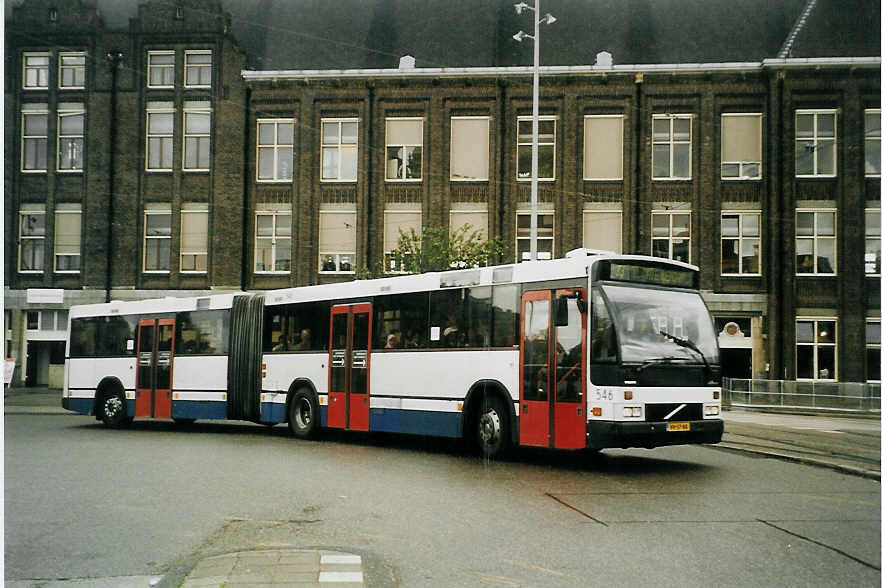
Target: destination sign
647,274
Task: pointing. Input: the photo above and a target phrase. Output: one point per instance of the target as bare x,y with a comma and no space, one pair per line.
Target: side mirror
561,312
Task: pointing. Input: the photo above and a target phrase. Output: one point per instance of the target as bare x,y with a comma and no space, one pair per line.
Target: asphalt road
86,502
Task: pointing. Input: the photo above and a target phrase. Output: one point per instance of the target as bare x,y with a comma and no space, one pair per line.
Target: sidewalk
36,400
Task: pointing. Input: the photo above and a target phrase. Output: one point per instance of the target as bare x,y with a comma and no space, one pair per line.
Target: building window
740,246
545,147
337,241
815,349
816,241
396,222
71,125
34,137
602,229
340,149
272,243
469,148
194,239
160,135
672,146
474,219
68,231
872,142
31,240
71,71
742,146
197,69
671,233
36,71
873,241
544,235
604,153
815,143
157,240
275,150
874,347
404,149
197,135
160,69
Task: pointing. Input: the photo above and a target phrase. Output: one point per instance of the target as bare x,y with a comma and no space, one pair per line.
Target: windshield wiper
686,343
655,360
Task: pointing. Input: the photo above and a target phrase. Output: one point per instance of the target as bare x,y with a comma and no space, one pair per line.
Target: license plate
678,426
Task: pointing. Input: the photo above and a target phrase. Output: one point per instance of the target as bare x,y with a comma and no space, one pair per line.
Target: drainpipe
246,185
114,58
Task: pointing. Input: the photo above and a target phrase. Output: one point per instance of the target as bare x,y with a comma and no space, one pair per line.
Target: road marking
334,577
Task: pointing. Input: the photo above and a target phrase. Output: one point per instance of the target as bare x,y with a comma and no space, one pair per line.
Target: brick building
292,156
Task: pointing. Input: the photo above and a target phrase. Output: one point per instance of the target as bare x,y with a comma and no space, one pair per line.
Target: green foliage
435,251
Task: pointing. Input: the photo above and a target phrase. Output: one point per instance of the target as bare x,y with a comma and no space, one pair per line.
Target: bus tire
113,410
492,434
303,414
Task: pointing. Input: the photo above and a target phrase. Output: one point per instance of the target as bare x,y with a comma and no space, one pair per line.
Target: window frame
25,68
201,66
156,211
671,142
741,164
275,122
273,239
407,147
587,153
869,139
67,110
816,345
62,67
337,254
815,238
22,237
56,253
539,143
542,211
670,235
486,176
739,239
194,210
190,109
163,66
340,147
162,136
34,109
835,140
877,212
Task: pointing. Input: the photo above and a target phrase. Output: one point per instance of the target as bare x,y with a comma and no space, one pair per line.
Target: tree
434,250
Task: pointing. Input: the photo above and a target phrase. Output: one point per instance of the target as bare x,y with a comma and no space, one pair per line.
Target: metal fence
833,396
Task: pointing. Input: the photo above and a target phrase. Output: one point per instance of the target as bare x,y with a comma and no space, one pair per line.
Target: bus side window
83,333
506,308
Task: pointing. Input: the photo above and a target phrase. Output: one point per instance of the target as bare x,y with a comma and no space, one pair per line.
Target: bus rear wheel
492,431
303,414
113,410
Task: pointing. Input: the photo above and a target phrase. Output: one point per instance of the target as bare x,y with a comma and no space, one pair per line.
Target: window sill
604,180
740,179
34,171
31,272
288,273
172,87
156,272
336,181
64,88
32,88
67,273
469,180
196,171
159,171
341,273
69,171
672,179
540,180
816,177
404,181
803,275
740,275
288,181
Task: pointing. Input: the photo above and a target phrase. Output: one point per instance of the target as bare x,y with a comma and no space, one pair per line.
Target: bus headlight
711,410
632,412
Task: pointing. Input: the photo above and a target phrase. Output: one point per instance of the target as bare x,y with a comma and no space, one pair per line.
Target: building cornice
554,70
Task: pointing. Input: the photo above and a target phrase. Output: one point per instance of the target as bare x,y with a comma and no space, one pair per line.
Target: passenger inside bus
282,345
392,341
305,340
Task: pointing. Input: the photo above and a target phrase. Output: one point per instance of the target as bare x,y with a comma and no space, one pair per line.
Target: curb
873,475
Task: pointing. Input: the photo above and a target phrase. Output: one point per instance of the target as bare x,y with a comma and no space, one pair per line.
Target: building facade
151,162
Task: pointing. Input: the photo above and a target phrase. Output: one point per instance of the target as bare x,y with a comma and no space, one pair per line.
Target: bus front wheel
303,414
113,410
492,433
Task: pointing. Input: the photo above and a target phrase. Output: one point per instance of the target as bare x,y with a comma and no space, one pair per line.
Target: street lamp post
534,155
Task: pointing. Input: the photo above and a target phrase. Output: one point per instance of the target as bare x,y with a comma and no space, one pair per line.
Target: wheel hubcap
304,414
489,427
112,406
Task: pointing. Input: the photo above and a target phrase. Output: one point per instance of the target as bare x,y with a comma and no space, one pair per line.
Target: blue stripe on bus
82,405
416,422
272,412
199,409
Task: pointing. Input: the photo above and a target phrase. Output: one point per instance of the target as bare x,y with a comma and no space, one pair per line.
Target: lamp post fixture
534,163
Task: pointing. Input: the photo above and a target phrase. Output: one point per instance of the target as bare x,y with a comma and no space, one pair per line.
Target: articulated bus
590,351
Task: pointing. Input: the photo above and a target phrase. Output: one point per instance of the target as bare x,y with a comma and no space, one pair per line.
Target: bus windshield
661,325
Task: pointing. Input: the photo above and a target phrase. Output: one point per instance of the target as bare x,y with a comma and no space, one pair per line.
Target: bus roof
576,264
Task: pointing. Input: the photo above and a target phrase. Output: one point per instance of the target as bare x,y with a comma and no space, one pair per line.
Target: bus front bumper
607,434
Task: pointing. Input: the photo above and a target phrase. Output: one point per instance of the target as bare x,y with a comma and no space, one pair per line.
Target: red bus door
153,380
552,371
535,418
349,402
